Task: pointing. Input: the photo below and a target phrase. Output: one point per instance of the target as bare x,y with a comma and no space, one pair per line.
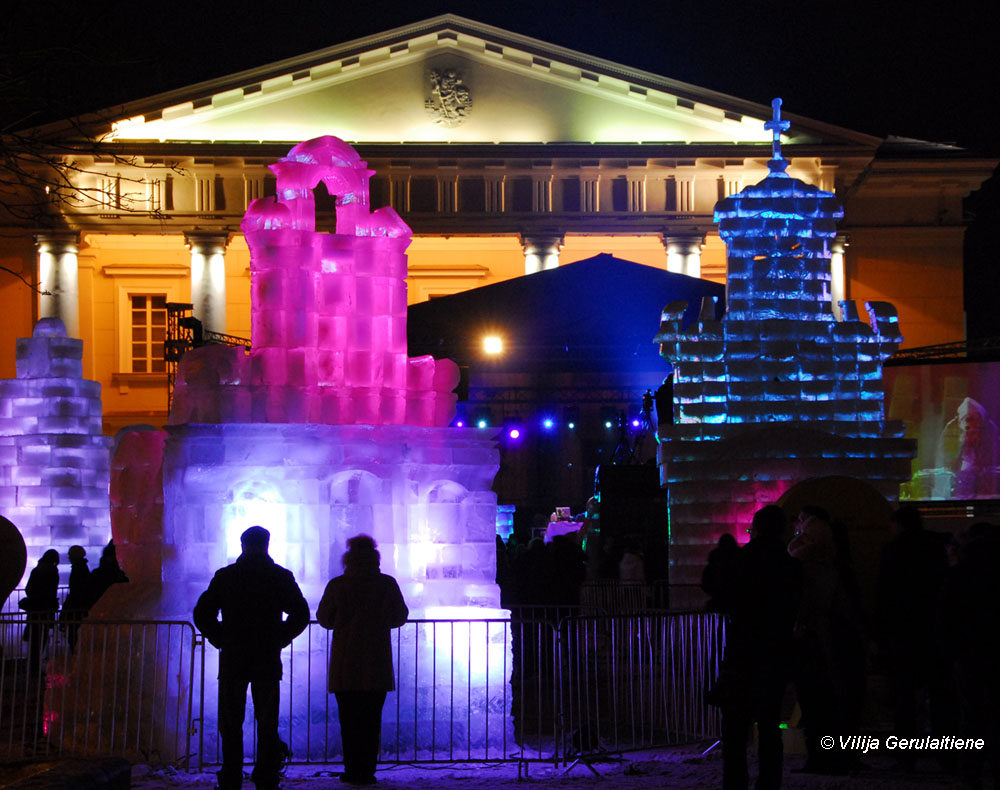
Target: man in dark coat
41,602
766,588
252,594
361,607
911,575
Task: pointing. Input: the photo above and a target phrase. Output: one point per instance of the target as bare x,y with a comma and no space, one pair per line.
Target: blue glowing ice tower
778,391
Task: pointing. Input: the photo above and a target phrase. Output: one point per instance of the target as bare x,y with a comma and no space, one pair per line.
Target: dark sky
930,71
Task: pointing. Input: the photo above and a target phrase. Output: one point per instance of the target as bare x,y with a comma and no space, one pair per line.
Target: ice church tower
778,391
327,428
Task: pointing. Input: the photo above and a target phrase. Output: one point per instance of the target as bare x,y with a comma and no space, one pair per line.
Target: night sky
929,71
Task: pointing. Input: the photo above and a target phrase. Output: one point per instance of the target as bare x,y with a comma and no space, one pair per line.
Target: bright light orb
493,345
547,423
514,433
482,424
571,425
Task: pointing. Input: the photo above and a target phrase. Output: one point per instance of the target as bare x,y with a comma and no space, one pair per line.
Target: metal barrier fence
125,689
539,688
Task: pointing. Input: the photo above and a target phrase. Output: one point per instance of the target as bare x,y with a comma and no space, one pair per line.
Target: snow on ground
676,767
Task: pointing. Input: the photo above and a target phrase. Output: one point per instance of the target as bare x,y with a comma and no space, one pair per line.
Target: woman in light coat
361,607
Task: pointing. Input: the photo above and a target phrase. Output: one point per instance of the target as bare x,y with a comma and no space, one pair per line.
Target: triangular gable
374,90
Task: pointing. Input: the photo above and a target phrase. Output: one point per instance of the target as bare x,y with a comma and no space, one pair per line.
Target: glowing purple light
514,433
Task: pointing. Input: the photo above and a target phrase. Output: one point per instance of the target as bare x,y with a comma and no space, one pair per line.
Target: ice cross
777,126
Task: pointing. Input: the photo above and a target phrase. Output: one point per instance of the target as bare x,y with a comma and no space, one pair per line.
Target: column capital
683,243
546,242
206,242
58,241
840,243
541,250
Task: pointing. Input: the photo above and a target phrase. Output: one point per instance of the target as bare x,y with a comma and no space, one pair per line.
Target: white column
684,253
541,252
208,278
838,274
58,278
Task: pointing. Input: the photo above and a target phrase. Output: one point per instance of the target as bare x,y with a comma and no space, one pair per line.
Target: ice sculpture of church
778,390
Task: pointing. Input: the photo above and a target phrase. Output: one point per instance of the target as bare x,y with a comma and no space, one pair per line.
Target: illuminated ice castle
778,391
326,429
53,455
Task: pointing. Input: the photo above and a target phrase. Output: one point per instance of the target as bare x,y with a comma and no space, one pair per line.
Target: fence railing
530,688
125,689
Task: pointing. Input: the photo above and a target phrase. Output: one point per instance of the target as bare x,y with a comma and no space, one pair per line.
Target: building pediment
451,80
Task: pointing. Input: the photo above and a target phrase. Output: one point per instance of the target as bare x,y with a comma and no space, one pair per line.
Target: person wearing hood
361,607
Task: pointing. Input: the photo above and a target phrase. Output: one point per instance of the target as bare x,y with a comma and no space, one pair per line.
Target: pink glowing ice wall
54,462
329,311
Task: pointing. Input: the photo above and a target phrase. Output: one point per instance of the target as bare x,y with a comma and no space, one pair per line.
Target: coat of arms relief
450,101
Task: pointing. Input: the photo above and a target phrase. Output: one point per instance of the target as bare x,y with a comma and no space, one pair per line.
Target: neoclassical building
506,155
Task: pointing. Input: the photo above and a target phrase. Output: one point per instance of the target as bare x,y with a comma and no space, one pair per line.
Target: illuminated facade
505,155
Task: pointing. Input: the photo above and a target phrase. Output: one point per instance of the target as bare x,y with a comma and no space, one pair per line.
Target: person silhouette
41,603
77,602
252,595
361,607
762,601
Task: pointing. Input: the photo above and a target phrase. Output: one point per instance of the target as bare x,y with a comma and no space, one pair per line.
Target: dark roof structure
597,314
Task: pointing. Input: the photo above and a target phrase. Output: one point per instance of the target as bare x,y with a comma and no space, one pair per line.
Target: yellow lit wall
17,254
919,271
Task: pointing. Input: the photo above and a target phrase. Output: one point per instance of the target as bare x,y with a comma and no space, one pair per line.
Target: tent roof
597,314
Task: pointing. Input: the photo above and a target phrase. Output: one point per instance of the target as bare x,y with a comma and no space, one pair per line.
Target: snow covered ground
677,767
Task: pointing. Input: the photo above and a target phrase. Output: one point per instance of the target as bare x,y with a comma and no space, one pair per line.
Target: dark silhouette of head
908,519
255,541
362,554
50,557
769,523
727,541
77,553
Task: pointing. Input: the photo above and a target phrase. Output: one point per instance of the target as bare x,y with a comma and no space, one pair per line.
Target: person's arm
398,612
206,614
297,609
327,611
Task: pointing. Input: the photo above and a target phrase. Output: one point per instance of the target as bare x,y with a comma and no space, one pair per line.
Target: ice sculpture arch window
443,503
353,495
257,503
326,209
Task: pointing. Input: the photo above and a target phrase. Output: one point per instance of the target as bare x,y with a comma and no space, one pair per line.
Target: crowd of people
794,614
41,596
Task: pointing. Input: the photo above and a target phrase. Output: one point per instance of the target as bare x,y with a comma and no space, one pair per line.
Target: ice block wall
54,460
328,312
777,391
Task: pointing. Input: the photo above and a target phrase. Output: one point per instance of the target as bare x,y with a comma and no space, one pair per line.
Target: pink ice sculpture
328,313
